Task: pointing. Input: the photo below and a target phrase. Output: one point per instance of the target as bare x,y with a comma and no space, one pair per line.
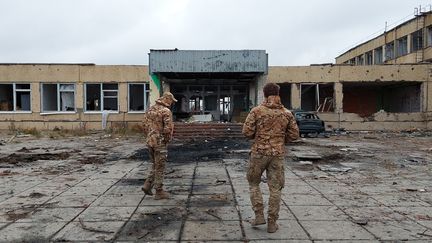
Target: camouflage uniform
158,127
271,125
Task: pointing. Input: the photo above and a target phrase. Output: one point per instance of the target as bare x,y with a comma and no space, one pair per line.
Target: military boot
272,226
161,194
147,188
259,219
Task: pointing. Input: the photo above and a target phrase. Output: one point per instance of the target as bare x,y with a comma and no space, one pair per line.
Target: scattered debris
424,233
13,215
85,227
415,190
219,197
370,137
91,160
349,149
241,151
307,155
305,162
332,168
423,217
212,212
17,158
360,221
11,139
36,195
220,182
5,173
24,150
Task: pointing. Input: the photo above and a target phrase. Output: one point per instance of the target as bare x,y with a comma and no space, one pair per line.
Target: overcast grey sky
123,31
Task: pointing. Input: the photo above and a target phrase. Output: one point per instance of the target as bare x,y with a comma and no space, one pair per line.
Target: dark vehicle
309,123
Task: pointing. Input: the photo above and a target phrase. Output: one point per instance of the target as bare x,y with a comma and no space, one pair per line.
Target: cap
169,95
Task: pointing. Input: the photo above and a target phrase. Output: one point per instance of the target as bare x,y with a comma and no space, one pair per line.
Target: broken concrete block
305,162
331,168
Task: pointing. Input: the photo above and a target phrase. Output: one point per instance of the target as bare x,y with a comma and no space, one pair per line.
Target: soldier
271,125
158,127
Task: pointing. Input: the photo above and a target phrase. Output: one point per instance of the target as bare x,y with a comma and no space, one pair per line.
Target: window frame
101,98
419,34
14,98
58,111
429,36
388,51
146,91
402,50
378,55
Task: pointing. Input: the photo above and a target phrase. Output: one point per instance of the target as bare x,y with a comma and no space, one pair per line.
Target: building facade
226,87
409,42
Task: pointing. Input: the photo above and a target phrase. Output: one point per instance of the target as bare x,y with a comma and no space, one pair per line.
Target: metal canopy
208,61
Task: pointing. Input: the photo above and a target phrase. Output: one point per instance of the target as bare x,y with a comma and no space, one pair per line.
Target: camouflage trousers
158,156
274,167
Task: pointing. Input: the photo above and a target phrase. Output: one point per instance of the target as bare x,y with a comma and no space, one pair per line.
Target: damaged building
365,90
71,96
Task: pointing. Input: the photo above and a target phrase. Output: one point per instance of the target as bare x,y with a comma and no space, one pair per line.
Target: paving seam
298,221
42,204
236,206
187,204
371,196
29,188
94,201
351,218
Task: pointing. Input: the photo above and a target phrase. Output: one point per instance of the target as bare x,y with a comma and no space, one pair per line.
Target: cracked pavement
89,189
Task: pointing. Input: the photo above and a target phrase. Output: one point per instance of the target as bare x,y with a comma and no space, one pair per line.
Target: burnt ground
200,150
357,187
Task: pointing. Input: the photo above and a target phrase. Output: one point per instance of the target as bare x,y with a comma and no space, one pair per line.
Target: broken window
285,94
139,97
58,97
378,55
15,97
429,36
369,58
360,60
101,97
366,99
225,105
389,51
417,40
325,97
317,97
196,104
210,102
402,46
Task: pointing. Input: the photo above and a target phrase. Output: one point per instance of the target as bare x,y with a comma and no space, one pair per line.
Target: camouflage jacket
271,125
158,124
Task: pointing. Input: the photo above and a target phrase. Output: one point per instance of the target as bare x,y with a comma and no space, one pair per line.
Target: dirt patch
333,157
26,157
13,216
151,225
91,160
215,200
36,195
